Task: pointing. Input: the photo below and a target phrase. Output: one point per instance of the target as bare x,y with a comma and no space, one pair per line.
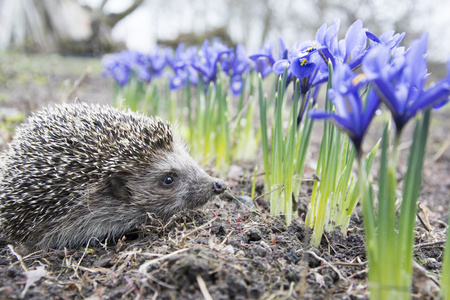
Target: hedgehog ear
118,187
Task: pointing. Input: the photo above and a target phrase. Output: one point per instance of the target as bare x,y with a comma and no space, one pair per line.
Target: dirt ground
228,249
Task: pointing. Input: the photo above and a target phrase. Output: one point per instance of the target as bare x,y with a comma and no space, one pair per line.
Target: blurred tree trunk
58,26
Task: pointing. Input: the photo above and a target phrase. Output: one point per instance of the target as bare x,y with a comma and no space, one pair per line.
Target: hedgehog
77,172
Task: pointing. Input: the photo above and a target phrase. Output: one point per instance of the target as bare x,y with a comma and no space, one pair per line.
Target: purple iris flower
236,62
305,64
308,61
236,85
354,46
181,63
327,40
302,62
122,65
390,39
352,115
150,65
206,62
181,57
181,77
176,59
349,50
280,65
119,66
265,61
400,81
158,61
235,66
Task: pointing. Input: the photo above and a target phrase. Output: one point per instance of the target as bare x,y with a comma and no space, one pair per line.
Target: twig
269,192
441,151
203,288
344,264
281,186
94,270
82,257
155,296
144,266
122,267
77,84
183,239
163,228
239,114
425,222
329,244
226,238
328,264
357,273
291,289
429,244
19,257
31,254
232,196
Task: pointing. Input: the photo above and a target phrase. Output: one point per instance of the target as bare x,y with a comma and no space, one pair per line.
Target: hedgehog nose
219,186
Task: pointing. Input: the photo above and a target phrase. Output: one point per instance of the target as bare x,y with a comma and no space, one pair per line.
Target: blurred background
93,27
51,50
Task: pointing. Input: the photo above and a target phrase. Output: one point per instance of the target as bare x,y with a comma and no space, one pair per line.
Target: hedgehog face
172,183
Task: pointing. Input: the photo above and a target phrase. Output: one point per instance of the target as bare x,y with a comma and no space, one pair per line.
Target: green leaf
264,137
411,191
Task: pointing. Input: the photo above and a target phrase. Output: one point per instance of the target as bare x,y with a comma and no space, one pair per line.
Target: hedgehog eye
168,180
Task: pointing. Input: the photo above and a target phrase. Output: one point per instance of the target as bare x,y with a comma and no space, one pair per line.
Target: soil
229,249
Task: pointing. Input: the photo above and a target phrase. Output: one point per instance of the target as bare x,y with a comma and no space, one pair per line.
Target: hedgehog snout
219,186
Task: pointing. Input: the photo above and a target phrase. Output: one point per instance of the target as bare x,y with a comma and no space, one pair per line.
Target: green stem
369,227
411,191
264,137
389,236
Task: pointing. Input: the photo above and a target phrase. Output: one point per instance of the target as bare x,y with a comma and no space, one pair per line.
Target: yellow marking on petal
311,48
304,62
358,79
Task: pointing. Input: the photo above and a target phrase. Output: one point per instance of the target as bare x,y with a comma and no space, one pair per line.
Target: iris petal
350,115
355,40
280,66
301,68
372,37
399,79
236,85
